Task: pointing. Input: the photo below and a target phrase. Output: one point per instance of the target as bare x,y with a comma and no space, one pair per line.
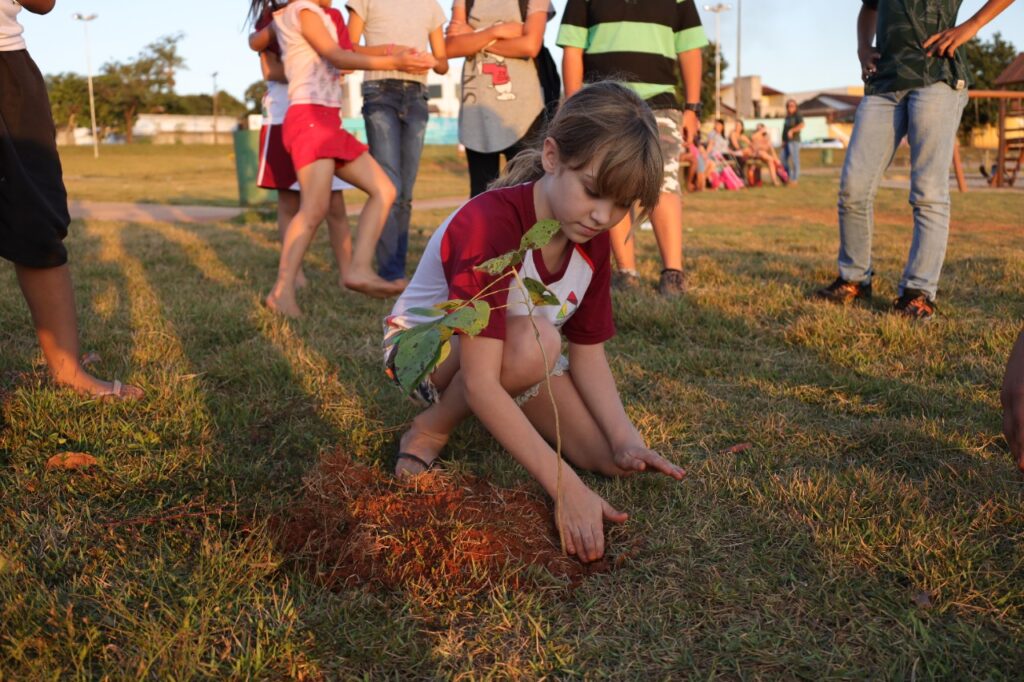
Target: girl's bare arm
260,40
597,388
439,50
468,43
526,46
315,33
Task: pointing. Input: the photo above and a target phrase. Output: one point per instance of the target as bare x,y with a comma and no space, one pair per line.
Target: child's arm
315,33
597,388
572,69
260,40
439,50
583,512
273,69
461,43
691,64
38,6
945,44
526,46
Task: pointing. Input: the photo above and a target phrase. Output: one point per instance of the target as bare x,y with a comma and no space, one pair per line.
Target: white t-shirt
10,29
311,79
401,22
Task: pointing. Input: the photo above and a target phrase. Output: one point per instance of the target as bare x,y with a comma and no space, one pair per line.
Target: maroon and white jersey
493,224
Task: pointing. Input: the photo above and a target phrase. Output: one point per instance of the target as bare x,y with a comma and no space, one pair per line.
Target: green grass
874,530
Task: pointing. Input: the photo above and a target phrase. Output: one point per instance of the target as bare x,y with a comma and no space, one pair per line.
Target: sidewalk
169,213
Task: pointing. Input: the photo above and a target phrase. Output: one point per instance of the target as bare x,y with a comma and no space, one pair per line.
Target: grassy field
875,528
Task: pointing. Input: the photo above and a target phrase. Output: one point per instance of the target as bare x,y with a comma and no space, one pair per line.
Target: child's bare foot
283,305
417,452
370,284
86,384
300,280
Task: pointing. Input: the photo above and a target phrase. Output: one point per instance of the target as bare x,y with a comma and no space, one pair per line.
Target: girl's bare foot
300,280
282,304
370,284
86,384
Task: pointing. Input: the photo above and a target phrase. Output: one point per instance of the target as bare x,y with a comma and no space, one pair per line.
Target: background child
34,208
321,149
276,170
395,107
502,97
601,155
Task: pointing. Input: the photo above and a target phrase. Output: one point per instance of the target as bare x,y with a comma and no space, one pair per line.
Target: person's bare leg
367,175
340,234
287,207
624,244
315,181
667,221
522,366
51,301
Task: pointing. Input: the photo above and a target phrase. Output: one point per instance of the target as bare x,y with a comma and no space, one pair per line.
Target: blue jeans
791,158
396,115
928,117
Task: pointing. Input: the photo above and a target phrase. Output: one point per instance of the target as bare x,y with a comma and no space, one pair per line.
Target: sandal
432,465
121,393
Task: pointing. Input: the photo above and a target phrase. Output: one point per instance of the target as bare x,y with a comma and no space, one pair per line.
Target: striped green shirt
634,41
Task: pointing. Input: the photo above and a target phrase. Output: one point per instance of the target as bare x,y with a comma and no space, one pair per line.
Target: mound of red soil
356,525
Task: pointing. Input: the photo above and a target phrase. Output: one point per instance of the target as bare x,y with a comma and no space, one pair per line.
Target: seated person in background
739,143
696,156
762,150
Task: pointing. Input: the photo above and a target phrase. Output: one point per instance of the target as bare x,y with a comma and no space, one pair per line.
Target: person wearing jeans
915,87
791,128
395,106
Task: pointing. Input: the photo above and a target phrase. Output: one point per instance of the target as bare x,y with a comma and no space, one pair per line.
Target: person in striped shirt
640,44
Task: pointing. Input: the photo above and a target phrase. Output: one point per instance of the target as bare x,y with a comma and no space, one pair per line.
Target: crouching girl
601,155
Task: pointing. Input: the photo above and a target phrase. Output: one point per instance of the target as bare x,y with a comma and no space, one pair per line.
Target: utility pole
718,9
739,42
85,19
215,107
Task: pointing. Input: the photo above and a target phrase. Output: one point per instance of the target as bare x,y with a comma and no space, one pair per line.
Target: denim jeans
791,158
396,115
928,117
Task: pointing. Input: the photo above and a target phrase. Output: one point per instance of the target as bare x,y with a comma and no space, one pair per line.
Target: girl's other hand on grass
581,518
639,458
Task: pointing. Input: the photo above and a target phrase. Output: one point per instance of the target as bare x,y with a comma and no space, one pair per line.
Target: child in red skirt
276,170
34,208
321,149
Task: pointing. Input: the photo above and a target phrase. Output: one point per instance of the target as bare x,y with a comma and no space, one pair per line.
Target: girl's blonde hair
608,122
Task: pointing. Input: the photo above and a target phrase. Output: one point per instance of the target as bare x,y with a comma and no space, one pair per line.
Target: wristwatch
695,107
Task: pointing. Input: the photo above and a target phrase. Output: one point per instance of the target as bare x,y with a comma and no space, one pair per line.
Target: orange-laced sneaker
914,304
844,293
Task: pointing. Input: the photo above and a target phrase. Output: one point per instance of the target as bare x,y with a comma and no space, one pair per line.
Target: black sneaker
844,293
914,304
671,283
624,280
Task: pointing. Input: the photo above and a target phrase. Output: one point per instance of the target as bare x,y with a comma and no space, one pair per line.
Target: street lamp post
739,42
215,107
85,19
718,9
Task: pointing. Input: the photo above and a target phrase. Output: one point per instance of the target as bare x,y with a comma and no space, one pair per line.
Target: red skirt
313,132
276,170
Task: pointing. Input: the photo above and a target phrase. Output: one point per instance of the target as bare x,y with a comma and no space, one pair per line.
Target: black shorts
33,202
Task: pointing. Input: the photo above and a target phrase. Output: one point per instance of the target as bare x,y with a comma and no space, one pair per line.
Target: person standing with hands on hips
915,87
640,43
791,128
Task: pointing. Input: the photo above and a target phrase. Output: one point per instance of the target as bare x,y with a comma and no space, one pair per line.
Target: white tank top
10,29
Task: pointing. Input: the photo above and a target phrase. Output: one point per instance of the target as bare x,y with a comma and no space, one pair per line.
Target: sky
794,45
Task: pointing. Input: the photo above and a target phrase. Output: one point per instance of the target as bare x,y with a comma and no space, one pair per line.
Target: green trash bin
247,166
827,156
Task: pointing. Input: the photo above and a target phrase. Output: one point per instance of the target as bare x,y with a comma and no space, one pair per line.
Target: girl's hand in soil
581,518
639,458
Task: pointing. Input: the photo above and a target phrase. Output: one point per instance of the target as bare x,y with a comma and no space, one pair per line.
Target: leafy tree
69,99
254,96
985,61
144,83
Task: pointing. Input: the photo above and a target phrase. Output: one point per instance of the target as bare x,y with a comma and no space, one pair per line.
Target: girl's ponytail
526,166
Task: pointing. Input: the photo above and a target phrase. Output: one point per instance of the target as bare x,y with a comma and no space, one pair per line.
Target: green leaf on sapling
417,356
448,306
540,294
470,320
499,264
539,235
425,312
